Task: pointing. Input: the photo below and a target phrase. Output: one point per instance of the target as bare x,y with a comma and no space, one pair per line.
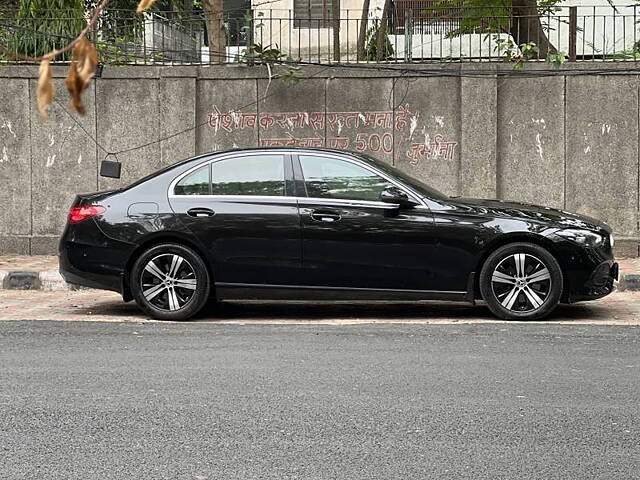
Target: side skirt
248,291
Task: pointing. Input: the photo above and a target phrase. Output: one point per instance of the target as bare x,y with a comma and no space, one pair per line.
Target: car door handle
325,215
200,212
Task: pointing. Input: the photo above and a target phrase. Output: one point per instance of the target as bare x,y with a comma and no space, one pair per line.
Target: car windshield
419,186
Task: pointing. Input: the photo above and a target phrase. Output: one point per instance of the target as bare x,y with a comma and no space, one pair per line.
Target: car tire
170,282
521,281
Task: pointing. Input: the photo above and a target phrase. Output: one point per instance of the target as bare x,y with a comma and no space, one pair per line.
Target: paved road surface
82,400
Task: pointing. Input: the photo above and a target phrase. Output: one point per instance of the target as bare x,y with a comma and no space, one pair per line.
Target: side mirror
395,195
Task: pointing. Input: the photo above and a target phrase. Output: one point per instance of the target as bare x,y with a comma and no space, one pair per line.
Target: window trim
297,176
285,160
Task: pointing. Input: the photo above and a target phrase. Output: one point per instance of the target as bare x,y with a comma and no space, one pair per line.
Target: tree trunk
335,20
213,17
362,34
381,44
526,27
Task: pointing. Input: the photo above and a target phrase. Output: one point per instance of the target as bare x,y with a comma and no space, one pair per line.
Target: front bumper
601,282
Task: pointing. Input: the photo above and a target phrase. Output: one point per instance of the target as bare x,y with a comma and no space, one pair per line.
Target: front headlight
611,239
583,237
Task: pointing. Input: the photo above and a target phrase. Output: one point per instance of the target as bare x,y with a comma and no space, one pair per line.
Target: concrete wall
563,140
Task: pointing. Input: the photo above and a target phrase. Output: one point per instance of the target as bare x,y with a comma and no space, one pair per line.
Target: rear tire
170,282
521,281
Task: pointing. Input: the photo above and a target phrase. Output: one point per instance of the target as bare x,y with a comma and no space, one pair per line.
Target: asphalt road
204,401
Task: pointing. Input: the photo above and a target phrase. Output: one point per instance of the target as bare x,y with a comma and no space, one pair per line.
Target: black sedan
316,224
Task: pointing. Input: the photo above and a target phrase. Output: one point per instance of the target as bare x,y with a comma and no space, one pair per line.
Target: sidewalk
40,272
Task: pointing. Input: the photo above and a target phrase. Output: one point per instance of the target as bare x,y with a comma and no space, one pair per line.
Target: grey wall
567,141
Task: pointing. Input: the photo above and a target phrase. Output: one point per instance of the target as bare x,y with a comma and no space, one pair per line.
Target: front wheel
170,282
521,281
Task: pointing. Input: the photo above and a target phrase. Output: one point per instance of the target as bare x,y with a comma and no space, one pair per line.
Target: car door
350,238
242,210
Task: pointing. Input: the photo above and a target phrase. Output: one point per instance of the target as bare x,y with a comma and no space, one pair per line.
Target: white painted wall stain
539,146
587,147
439,120
606,128
413,124
539,121
51,159
5,157
6,124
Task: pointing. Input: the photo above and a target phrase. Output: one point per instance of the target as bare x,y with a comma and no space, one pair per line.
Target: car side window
334,178
251,175
196,183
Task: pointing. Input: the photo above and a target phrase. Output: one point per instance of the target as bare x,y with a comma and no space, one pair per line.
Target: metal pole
573,33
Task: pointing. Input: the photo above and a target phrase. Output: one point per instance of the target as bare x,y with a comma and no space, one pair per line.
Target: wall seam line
564,141
30,241
498,192
495,137
95,110
326,88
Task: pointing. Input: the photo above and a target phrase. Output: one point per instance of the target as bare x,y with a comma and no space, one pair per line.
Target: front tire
170,282
521,281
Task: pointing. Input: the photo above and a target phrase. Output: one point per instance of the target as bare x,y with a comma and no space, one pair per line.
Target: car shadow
381,311
344,312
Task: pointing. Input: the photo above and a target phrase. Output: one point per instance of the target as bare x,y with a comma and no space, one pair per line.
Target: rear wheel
521,281
170,282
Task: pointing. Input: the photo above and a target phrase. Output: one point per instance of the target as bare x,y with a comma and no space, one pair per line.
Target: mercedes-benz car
319,224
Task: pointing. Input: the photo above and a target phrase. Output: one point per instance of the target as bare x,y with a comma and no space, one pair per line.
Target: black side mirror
395,195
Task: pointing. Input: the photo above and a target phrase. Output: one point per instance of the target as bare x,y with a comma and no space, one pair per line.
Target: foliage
557,59
371,50
44,25
516,54
482,16
519,54
115,52
258,54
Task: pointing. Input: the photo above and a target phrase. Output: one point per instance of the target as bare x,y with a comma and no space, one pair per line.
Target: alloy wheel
168,282
521,282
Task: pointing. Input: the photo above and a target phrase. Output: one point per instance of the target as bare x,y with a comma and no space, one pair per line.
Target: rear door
351,239
242,209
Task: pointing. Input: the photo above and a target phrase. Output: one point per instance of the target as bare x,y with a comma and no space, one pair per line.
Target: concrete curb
52,281
630,282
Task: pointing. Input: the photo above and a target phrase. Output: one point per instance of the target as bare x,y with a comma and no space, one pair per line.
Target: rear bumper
90,259
86,277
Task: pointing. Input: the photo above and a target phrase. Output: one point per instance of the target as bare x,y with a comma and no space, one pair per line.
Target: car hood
526,211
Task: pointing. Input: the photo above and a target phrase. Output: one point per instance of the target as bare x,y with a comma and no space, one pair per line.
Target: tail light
78,214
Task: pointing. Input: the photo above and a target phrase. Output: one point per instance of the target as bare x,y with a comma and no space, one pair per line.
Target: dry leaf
81,71
45,88
144,5
87,57
75,87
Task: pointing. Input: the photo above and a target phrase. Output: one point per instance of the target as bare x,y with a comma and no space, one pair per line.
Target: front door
350,238
242,211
